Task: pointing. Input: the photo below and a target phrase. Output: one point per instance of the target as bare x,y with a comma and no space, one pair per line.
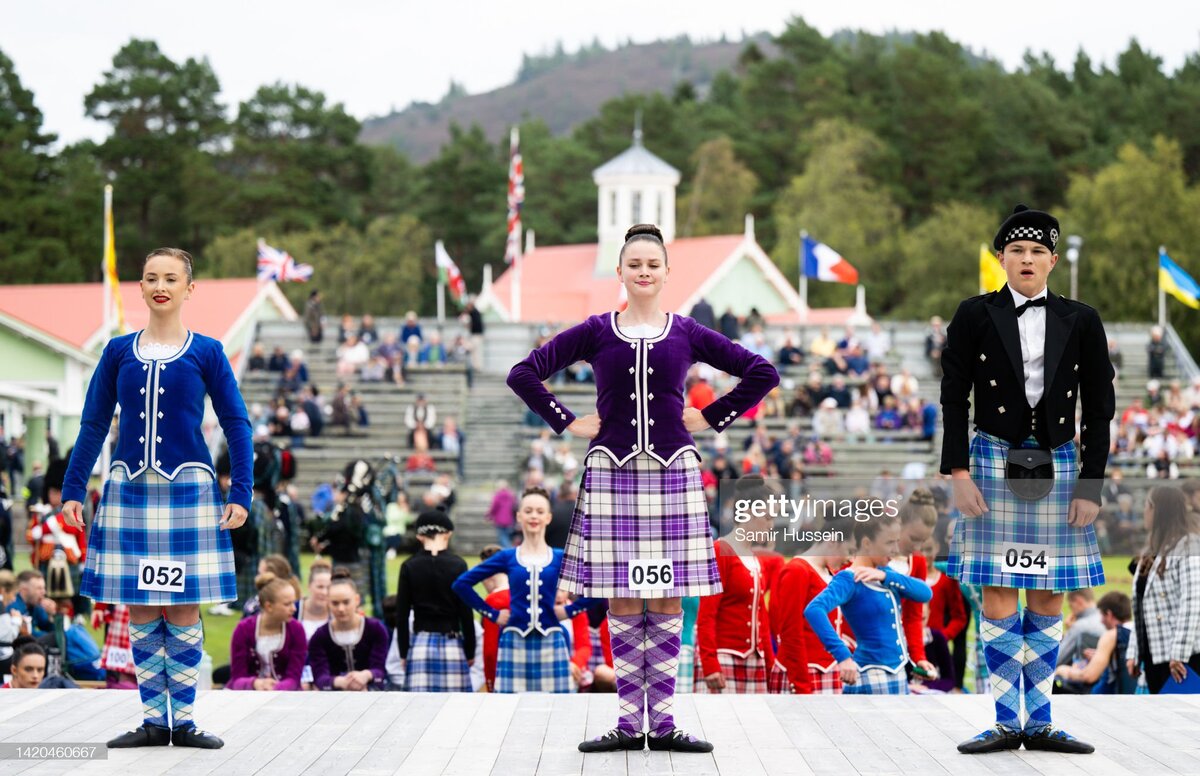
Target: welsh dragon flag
448,274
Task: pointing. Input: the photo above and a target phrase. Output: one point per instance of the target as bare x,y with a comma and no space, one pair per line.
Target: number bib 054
651,574
1025,559
164,576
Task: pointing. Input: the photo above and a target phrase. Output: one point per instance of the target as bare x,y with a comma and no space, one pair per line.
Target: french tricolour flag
824,263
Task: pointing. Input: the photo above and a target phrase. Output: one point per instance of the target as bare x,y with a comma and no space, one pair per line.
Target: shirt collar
1020,299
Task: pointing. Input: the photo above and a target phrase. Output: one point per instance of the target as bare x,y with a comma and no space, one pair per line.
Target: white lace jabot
152,351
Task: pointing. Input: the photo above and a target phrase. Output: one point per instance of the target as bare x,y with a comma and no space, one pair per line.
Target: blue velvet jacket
532,591
162,414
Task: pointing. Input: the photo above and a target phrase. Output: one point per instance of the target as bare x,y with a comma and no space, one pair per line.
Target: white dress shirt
1032,325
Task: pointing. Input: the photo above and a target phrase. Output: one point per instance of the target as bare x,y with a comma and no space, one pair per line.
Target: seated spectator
538,458
359,410
1154,395
772,405
755,340
342,410
366,331
838,391
434,352
31,603
791,356
817,452
345,329
856,361
889,418
822,347
28,666
460,351
1106,666
419,414
451,439
701,394
295,374
310,405
904,385
1083,627
412,351
420,460
827,422
278,361
352,355
258,359
349,652
411,328
877,344
269,649
858,420
807,397
1162,468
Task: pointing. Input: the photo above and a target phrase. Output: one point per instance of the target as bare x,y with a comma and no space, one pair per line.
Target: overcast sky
374,55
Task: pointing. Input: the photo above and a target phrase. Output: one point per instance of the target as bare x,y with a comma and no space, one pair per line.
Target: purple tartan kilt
639,510
155,518
1073,555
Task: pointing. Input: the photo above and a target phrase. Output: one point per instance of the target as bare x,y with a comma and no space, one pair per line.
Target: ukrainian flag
1174,281
991,275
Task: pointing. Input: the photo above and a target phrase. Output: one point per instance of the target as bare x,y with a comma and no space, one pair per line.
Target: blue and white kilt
154,518
639,510
878,681
977,547
533,663
436,663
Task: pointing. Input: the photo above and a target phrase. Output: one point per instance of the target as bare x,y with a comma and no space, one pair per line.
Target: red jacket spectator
946,610
736,620
798,584
912,613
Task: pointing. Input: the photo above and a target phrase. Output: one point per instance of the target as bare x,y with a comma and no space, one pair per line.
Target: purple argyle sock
628,636
662,664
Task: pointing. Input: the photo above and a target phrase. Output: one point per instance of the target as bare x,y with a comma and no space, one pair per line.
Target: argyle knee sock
1042,634
1003,644
628,636
662,662
146,642
184,650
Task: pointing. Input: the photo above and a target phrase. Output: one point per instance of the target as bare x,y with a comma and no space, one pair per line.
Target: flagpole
441,302
108,289
803,279
1162,296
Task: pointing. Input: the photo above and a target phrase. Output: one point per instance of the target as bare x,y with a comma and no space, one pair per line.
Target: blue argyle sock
1003,644
184,650
1042,634
146,642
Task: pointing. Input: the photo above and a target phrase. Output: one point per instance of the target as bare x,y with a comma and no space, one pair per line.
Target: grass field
219,630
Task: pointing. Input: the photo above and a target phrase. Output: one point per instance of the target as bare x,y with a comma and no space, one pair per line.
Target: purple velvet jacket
287,664
639,383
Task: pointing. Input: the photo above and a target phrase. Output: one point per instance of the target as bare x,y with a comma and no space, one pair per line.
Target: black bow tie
1039,302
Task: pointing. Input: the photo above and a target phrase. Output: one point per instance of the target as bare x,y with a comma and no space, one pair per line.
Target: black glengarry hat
433,521
1026,224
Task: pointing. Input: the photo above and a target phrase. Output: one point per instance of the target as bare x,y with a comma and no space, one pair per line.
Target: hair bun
921,497
341,572
649,230
264,579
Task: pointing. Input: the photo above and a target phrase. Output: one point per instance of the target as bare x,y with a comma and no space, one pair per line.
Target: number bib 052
651,574
1025,558
164,576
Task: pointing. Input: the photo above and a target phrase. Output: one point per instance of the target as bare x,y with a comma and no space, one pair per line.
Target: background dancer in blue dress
1028,355
160,540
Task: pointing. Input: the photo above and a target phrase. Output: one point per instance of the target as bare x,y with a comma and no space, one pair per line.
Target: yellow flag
991,274
112,285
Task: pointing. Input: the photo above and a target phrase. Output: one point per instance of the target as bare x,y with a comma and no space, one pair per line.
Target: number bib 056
651,574
1025,558
164,576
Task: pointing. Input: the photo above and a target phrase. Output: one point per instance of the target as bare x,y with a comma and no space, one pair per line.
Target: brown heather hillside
563,92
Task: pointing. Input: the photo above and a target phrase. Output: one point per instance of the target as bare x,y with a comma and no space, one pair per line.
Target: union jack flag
274,264
516,197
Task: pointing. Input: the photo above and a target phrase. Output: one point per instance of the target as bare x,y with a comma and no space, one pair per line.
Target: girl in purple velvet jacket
640,533
269,649
350,652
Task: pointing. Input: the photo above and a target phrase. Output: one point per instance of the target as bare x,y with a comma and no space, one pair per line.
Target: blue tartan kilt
533,663
436,663
976,556
154,518
878,681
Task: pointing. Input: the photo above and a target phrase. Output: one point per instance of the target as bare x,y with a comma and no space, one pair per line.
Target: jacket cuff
719,415
1088,490
73,494
240,495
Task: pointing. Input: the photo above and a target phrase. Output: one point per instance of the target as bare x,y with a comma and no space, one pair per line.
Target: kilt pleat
154,518
436,663
533,662
1073,555
639,510
743,675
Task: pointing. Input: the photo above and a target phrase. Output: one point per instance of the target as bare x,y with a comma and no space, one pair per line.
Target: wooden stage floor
414,734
